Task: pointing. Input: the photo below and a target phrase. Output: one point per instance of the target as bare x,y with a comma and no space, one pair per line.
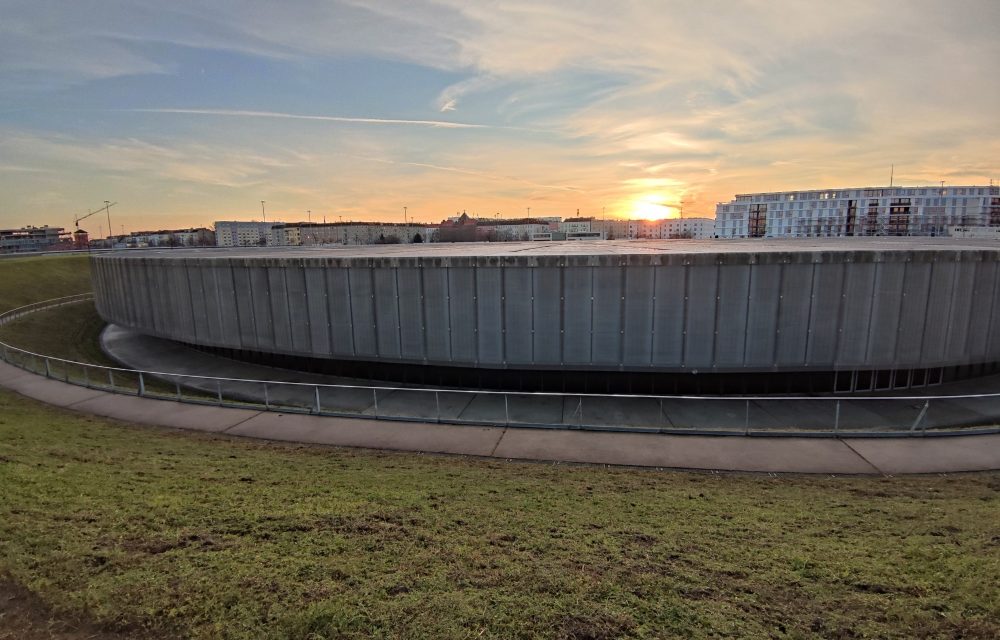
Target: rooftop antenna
892,172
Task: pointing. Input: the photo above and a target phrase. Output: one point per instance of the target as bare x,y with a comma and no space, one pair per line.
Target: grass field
181,534
124,531
24,280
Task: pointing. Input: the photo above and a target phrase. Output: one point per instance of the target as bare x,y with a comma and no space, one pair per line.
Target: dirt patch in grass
25,616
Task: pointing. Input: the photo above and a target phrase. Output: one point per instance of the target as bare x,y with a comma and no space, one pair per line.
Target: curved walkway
730,453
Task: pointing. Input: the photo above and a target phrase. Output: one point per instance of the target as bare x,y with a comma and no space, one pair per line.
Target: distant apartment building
244,234
278,234
577,225
44,238
353,233
671,228
612,228
195,237
870,211
468,229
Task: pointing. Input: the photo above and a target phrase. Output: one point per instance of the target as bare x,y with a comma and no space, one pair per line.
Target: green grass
190,535
71,332
31,279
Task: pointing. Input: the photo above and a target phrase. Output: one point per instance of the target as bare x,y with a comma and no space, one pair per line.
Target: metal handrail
6,348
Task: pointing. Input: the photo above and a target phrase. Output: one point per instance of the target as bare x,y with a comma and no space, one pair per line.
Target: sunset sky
186,112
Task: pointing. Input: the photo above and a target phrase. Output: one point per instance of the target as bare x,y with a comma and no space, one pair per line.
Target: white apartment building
668,228
245,234
358,233
870,211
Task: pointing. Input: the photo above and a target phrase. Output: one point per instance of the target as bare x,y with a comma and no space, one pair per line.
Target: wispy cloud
442,124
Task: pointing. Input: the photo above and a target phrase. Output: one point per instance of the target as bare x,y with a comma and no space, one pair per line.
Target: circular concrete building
852,314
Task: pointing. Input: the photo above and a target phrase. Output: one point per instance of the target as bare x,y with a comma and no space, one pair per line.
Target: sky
191,111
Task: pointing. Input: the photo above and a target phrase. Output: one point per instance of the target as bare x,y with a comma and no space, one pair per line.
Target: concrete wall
801,310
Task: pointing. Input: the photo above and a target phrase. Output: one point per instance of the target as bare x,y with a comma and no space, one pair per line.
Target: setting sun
652,207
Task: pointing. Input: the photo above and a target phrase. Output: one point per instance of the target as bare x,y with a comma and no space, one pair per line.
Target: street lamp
107,210
263,215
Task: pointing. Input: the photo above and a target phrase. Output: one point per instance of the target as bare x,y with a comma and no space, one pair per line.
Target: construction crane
107,206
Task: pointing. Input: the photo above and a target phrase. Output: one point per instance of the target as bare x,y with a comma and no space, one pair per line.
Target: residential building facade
869,211
29,238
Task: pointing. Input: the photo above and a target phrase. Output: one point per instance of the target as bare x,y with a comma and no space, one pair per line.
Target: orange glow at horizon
651,207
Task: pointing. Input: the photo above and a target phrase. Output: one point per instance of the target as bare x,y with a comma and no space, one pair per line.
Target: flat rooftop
583,248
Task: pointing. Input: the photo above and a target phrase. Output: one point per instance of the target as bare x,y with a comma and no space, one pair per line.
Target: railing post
375,399
111,379
746,422
318,407
836,418
48,372
437,403
142,385
506,410
218,390
267,400
920,416
579,408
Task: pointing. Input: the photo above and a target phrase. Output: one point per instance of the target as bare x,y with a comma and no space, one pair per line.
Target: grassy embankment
69,332
167,534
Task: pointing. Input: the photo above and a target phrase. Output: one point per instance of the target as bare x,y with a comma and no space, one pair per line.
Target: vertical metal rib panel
436,313
213,316
762,315
262,307
702,291
890,277
935,334
462,313
246,307
278,298
993,338
228,306
118,299
916,289
386,312
547,320
489,289
977,347
793,314
518,300
316,303
298,308
608,304
733,294
668,315
411,313
859,282
340,305
824,315
185,327
577,318
639,310
199,313
961,307
362,311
